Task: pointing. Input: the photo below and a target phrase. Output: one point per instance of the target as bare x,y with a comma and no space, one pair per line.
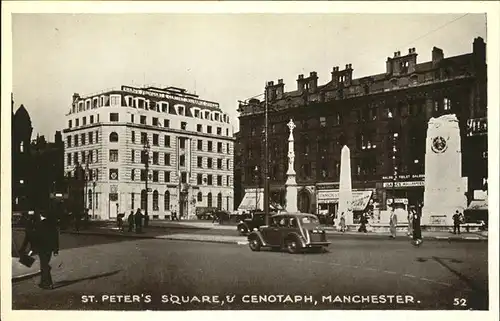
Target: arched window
209,200
155,200
144,195
200,197
219,201
113,137
166,201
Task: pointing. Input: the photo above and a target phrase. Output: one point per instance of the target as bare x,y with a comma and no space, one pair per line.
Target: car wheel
254,244
242,230
292,246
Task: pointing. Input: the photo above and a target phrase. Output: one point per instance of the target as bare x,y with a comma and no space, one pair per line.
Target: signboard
167,96
149,189
477,126
408,176
405,184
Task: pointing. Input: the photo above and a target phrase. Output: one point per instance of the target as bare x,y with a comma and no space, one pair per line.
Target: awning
478,205
360,199
251,201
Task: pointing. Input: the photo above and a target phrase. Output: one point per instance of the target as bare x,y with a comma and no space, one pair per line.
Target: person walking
456,222
46,243
138,221
342,222
393,221
411,212
130,221
417,231
119,220
364,220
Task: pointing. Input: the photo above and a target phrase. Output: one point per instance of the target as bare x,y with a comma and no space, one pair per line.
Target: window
227,164
209,129
144,157
69,158
132,174
132,203
228,148
447,104
167,141
209,179
155,140
181,110
84,121
82,136
200,161
143,120
166,176
182,142
200,197
219,163
96,156
113,155
209,147
143,174
166,201
113,174
91,137
209,162
209,200
132,156
200,144
69,123
75,158
68,142
228,180
132,118
133,136
219,147
166,123
144,138
144,196
219,131
77,122
182,160
113,137
219,201
155,121
155,158
199,179
183,125
155,200
322,121
83,157
155,176
91,158
227,131
166,159
115,100
198,128
113,117
219,180
183,177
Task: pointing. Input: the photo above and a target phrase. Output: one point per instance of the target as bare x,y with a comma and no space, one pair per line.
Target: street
434,276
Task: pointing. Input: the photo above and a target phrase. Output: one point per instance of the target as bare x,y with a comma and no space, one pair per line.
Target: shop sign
405,184
167,96
408,176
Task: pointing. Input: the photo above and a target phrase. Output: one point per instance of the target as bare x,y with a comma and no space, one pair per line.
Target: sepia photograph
250,161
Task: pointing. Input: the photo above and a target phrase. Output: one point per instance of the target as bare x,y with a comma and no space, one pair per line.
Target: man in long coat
393,222
46,243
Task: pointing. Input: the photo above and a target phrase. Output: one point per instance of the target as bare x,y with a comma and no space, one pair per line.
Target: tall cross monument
291,184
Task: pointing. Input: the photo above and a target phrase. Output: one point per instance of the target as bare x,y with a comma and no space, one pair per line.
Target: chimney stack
437,55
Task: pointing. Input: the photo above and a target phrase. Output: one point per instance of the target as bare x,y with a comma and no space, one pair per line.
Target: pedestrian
456,222
417,231
411,212
138,221
393,221
342,222
46,244
130,221
28,221
146,220
119,220
174,216
364,220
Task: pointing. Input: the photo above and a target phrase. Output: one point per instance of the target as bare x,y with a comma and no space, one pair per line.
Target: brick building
364,113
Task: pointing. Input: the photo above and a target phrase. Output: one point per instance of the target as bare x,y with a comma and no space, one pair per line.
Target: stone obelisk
291,184
444,190
345,186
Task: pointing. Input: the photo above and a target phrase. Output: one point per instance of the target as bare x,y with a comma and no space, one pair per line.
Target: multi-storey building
364,114
189,143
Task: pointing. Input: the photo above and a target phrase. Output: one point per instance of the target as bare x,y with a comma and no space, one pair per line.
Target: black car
294,232
249,224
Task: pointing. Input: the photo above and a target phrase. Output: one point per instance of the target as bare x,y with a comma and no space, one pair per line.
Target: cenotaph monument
345,187
291,184
444,190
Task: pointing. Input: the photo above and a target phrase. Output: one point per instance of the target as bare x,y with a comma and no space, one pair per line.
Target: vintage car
249,224
294,232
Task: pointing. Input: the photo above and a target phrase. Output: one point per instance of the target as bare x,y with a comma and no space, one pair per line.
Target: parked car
294,232
249,224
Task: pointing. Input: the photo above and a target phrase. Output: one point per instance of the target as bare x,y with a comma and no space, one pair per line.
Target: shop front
328,201
408,187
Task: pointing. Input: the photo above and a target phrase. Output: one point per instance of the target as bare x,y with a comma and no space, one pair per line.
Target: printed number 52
460,302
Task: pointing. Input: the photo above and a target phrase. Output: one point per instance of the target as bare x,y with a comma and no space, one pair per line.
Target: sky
220,57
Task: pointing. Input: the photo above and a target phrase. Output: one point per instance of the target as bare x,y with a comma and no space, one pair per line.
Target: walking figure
417,231
130,221
364,220
119,220
393,222
411,212
456,222
46,244
138,221
342,222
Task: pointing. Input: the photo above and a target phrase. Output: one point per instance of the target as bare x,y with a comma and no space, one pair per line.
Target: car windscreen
309,222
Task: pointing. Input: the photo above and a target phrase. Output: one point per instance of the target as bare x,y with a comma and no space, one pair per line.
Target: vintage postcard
287,158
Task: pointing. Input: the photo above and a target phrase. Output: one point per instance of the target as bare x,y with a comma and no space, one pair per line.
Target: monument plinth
444,190
291,184
345,187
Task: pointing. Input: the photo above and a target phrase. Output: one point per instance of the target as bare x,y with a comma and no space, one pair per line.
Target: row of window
167,177
85,156
167,201
91,118
93,137
182,142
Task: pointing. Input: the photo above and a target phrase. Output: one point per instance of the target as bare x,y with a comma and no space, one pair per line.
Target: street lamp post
146,165
395,167
93,197
266,157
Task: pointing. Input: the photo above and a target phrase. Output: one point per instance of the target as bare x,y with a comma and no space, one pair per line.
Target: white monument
444,190
345,187
291,184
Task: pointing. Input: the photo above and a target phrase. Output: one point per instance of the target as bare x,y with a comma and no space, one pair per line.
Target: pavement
109,273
